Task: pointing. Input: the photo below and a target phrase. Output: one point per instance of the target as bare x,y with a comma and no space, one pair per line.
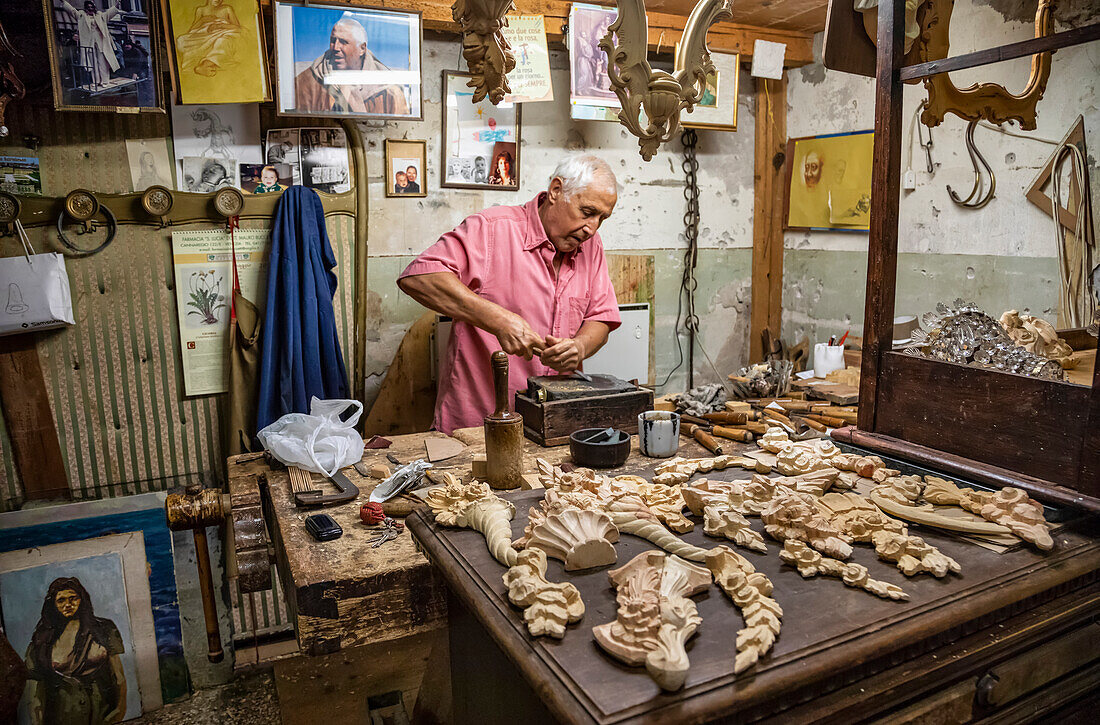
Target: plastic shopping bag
318,442
34,290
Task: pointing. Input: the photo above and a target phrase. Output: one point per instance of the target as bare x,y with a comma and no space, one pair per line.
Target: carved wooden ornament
547,606
655,617
678,470
475,506
795,517
583,539
652,99
810,563
487,52
751,591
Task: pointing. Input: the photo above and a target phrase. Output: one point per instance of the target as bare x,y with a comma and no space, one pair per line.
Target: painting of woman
210,44
502,170
74,660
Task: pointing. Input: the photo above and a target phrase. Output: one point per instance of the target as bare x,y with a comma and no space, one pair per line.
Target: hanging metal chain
691,233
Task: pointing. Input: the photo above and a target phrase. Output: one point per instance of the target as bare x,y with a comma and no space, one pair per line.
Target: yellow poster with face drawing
831,182
219,51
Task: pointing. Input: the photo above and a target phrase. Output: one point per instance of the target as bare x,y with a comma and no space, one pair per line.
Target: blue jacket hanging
301,353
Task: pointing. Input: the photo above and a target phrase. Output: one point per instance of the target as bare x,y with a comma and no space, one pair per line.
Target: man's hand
515,336
563,354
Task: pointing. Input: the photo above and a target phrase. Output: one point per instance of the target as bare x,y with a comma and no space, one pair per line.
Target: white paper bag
34,291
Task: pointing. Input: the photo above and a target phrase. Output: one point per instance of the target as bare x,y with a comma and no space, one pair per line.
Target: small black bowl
601,452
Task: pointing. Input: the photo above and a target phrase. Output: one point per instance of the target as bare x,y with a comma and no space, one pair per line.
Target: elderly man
320,87
531,280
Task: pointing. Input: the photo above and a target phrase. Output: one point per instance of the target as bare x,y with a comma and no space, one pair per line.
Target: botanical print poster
830,183
530,79
204,285
219,51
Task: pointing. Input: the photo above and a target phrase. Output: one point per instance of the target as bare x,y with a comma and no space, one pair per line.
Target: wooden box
550,423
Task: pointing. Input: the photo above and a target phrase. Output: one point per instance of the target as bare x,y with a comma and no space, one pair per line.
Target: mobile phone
323,527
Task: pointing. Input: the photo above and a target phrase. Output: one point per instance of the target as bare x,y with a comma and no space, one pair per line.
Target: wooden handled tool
731,418
815,425
685,418
779,418
796,406
503,432
734,434
827,420
705,439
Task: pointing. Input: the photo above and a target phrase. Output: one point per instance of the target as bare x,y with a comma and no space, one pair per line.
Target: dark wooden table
1012,631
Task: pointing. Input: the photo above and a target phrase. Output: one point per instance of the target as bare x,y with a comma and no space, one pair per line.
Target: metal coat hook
977,197
926,146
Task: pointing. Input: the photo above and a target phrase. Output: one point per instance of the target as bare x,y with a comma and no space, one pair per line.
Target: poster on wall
20,175
339,61
480,140
588,80
829,184
204,283
96,593
530,79
102,55
219,51
229,132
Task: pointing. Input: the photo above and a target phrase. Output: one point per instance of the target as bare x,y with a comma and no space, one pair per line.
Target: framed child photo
347,61
103,55
480,140
405,168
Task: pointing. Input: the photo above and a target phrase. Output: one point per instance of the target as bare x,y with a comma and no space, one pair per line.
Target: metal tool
346,491
391,529
970,202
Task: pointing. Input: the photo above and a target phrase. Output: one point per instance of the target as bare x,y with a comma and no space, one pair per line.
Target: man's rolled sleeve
603,306
461,251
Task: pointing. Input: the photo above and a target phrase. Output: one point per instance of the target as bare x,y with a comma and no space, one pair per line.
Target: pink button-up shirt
503,255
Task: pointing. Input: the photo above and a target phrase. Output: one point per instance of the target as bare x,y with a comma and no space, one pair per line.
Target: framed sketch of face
480,140
348,61
103,55
406,164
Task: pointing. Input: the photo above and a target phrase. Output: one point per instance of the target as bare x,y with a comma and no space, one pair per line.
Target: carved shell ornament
487,52
653,99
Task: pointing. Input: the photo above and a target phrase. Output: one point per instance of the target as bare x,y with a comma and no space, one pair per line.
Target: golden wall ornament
990,101
658,94
486,50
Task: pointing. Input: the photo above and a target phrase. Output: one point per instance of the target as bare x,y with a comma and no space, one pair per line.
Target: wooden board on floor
632,277
406,400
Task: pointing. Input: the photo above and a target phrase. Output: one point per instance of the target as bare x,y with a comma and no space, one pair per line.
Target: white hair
348,21
581,171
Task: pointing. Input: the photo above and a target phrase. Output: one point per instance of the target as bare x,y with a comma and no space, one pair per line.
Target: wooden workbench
343,593
1015,634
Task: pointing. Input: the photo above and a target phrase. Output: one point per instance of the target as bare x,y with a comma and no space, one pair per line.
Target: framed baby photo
480,140
406,167
103,55
717,109
347,61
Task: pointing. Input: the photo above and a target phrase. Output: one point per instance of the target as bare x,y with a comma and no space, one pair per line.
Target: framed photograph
326,165
588,80
103,55
110,674
281,150
205,175
406,163
480,140
265,178
219,51
348,61
717,109
829,182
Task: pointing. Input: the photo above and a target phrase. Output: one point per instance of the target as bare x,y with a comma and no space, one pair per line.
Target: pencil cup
827,358
658,433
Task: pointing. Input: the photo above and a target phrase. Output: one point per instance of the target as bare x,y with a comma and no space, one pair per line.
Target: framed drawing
219,51
480,141
82,615
829,182
717,109
348,61
406,164
103,55
588,80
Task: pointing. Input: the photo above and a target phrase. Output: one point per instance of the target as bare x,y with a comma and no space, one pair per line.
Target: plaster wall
647,220
1002,256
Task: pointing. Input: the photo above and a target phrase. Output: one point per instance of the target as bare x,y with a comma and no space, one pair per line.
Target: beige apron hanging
244,365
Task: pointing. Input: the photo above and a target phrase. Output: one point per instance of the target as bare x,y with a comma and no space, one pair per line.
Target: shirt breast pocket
575,312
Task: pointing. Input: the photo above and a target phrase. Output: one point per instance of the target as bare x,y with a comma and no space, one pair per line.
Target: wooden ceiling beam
664,28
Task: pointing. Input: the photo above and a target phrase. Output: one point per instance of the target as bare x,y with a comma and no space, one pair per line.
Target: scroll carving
795,517
547,606
487,52
679,470
810,563
751,591
655,617
475,506
583,539
660,95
